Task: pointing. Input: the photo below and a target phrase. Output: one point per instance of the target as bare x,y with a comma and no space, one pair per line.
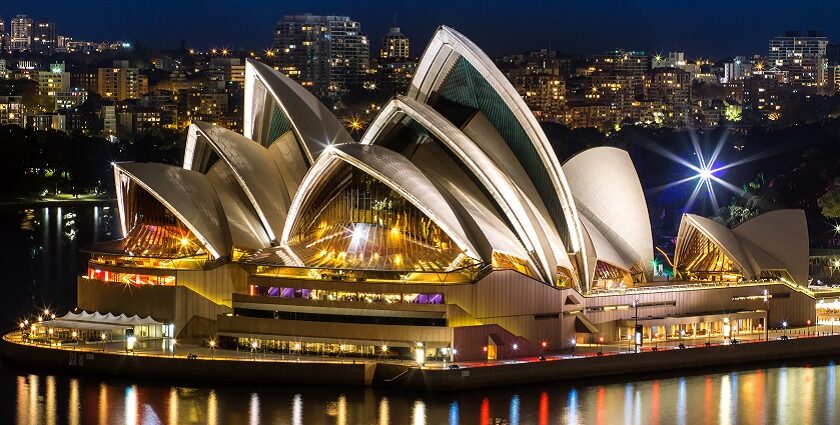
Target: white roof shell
187,194
533,229
252,166
777,240
315,127
446,46
610,198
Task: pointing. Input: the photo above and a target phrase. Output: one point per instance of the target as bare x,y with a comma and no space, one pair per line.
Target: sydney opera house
450,224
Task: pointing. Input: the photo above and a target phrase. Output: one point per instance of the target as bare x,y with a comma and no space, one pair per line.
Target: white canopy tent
107,323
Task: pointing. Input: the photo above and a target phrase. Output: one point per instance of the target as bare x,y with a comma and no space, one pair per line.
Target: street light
515,347
75,341
784,329
637,340
808,327
254,350
767,316
601,341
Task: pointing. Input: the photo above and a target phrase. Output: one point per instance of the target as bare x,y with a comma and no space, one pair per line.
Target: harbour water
40,259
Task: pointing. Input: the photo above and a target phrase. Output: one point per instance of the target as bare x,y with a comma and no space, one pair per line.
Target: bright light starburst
705,170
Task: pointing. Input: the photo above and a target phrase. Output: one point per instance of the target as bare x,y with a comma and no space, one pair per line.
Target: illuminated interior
130,278
155,239
358,222
608,276
322,295
702,259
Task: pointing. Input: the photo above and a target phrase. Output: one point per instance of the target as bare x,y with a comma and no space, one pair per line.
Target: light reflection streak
342,410
297,409
654,403
453,413
681,401
707,401
212,408
418,413
637,407
830,392
103,404
806,391
599,406
628,403
173,406
131,405
781,406
73,402
50,400
572,409
34,412
22,417
384,412
484,413
514,410
725,406
254,409
544,408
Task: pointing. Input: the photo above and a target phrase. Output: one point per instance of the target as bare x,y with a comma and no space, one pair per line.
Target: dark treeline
38,163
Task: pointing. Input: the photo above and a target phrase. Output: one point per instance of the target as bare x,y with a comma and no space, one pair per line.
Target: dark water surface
40,259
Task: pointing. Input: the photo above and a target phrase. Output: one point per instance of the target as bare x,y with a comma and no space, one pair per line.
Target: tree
829,202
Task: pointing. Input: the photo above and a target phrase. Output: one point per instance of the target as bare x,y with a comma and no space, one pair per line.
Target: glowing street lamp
213,348
515,347
254,350
420,354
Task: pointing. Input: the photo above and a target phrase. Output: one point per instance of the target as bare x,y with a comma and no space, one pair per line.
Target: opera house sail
451,223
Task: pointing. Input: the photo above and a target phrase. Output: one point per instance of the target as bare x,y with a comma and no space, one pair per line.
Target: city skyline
649,26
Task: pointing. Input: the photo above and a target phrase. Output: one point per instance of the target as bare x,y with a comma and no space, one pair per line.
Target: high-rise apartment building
120,82
539,77
21,33
44,37
326,54
51,83
622,62
802,58
394,45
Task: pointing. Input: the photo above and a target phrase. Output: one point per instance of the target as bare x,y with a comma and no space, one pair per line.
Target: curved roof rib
608,193
547,248
441,55
398,173
187,194
252,166
314,126
783,236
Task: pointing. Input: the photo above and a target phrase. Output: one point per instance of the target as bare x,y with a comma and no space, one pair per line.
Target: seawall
606,366
412,378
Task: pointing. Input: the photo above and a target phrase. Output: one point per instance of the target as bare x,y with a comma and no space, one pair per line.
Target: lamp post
766,315
808,327
102,337
601,341
75,340
254,350
213,348
515,347
784,329
637,337
486,354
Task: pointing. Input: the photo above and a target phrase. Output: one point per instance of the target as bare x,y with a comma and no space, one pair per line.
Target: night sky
707,29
